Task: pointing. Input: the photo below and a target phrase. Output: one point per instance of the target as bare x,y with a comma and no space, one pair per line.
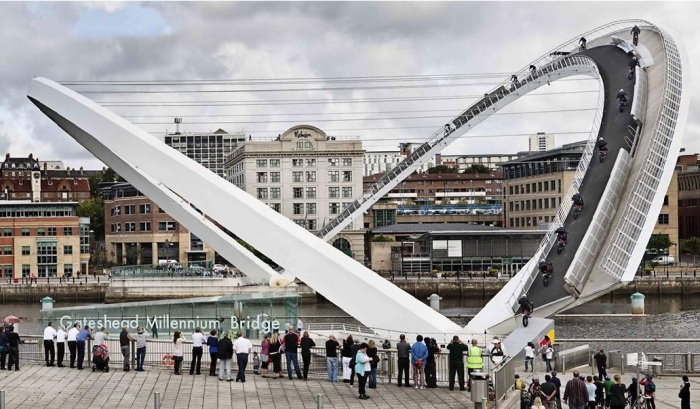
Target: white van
664,260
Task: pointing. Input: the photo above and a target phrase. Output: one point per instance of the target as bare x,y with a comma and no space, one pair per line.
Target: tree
441,169
383,239
692,247
94,209
477,168
659,242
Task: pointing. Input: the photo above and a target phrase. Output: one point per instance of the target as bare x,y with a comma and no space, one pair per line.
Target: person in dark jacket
557,382
403,349
457,349
601,361
617,394
684,394
3,345
306,344
213,343
13,342
633,390
353,350
430,365
374,360
225,355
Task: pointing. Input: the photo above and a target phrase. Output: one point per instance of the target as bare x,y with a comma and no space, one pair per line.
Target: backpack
650,387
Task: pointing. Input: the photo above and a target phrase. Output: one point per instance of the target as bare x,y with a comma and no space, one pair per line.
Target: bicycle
577,210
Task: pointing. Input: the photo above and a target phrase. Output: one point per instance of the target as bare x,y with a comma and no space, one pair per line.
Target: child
256,364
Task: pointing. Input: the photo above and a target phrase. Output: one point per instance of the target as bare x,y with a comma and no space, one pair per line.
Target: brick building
29,179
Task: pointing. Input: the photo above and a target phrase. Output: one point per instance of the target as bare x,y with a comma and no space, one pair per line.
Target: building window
311,208
26,250
298,177
333,176
68,270
297,208
666,200
130,209
25,270
300,222
51,231
347,192
145,226
311,224
297,192
25,231
347,161
130,226
116,227
116,211
297,163
310,176
275,177
276,207
333,208
67,231
311,163
275,193
261,163
262,193
67,249
347,176
274,163
40,231
310,192
7,250
167,226
261,177
334,162
7,232
145,208
334,192
663,218
7,270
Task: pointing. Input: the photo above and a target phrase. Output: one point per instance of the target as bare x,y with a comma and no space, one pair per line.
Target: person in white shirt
198,339
72,333
60,345
300,325
242,348
101,336
530,356
49,335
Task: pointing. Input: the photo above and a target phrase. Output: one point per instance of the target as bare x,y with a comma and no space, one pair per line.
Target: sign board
632,359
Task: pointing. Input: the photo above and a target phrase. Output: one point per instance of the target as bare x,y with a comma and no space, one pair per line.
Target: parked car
220,269
664,260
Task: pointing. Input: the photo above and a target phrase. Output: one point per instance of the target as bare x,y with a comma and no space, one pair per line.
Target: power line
384,139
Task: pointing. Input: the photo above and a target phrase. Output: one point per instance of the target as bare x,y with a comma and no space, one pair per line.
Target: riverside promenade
36,386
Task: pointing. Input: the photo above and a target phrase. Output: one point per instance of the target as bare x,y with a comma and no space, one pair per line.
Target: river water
666,318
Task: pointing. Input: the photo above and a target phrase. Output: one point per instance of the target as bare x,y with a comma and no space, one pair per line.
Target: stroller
100,358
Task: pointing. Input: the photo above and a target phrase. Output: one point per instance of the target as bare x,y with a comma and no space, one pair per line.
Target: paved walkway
36,387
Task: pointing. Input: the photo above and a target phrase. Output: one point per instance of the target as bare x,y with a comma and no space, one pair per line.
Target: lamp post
91,261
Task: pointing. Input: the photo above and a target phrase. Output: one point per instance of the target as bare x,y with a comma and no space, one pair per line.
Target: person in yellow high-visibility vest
475,362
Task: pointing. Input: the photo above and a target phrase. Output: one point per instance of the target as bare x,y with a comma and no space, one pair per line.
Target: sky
452,52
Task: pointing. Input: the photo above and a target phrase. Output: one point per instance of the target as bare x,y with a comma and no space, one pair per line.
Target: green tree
441,169
477,168
692,247
659,242
94,209
383,239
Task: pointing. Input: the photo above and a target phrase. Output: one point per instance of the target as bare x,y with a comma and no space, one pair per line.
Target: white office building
209,150
541,142
307,176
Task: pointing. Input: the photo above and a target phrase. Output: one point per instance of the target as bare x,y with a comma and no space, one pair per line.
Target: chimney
45,164
31,156
68,170
7,156
81,171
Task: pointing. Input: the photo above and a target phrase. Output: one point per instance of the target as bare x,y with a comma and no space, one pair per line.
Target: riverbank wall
141,290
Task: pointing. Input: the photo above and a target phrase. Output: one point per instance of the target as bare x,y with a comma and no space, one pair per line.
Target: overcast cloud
67,41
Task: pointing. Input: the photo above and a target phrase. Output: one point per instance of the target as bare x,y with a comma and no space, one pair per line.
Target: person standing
291,346
306,344
101,336
649,390
419,356
548,355
362,368
576,393
456,349
403,351
601,361
353,349
242,348
225,348
431,365
498,353
557,382
264,355
198,340
13,342
530,356
300,326
633,391
590,387
346,354
80,340
684,394
49,335
617,392
141,336
332,346
374,360
475,362
548,393
213,343
60,345
3,345
275,355
178,353
125,345
521,388
72,333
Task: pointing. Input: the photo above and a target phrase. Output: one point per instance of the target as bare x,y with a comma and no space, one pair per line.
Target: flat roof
447,228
